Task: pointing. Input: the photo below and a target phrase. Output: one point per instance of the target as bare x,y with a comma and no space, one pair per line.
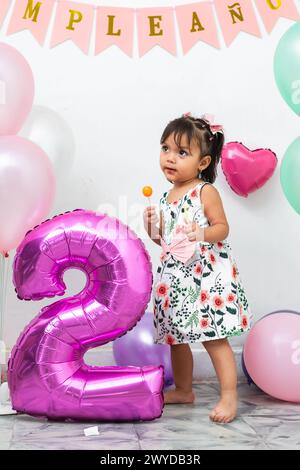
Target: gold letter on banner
32,11
196,22
154,25
111,26
269,2
73,19
234,13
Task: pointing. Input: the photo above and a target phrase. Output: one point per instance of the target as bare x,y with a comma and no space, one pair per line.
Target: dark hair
198,130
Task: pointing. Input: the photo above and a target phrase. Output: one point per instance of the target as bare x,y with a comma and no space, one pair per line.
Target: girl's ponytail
217,145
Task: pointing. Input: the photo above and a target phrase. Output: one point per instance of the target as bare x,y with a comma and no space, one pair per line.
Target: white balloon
50,131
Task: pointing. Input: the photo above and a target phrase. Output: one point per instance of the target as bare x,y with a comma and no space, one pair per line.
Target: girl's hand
150,216
194,232
150,223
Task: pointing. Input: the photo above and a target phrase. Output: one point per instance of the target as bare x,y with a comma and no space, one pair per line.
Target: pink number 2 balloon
47,375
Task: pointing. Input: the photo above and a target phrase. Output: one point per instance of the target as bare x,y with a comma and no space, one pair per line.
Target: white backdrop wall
118,107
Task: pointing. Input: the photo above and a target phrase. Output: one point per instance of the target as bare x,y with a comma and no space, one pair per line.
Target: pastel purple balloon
244,368
137,348
47,375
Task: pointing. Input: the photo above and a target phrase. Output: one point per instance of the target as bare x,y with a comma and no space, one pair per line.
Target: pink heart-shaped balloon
246,170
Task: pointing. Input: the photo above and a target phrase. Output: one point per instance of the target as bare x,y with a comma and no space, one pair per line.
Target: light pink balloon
27,187
272,355
247,170
17,89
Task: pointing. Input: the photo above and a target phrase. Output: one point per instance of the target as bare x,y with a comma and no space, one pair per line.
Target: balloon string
2,294
3,304
1,311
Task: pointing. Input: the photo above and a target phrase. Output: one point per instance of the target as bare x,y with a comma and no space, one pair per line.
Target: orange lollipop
147,192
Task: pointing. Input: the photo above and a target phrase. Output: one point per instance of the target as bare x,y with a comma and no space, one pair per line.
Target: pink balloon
47,375
27,187
272,355
17,86
247,170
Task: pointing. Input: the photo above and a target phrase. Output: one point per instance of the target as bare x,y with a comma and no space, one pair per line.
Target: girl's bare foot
226,408
178,396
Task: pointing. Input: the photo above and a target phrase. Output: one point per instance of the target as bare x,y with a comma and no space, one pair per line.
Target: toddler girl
198,295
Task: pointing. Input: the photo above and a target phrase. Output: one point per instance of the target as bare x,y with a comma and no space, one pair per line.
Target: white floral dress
202,299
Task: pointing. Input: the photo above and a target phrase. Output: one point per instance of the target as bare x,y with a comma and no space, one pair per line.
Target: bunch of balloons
26,175
29,161
271,355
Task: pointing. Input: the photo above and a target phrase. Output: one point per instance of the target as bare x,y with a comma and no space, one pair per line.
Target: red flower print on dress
198,269
218,302
175,203
166,303
244,321
231,297
220,244
212,258
169,339
203,248
162,289
204,323
194,193
234,271
204,296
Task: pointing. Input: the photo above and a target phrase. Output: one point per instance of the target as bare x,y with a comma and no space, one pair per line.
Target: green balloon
290,174
287,67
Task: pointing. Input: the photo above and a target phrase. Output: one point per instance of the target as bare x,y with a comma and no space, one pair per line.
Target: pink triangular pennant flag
236,17
35,17
114,26
156,27
73,21
4,6
196,23
271,10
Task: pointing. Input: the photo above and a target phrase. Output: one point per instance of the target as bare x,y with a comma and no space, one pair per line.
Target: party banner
156,26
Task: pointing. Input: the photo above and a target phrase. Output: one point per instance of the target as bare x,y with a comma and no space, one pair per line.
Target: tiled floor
262,423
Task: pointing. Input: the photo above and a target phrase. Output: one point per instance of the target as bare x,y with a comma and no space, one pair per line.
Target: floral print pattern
202,299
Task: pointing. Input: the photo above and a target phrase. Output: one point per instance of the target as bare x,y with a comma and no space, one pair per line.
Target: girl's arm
161,224
150,220
214,212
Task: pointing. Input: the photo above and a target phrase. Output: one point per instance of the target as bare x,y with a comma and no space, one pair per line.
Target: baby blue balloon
287,67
